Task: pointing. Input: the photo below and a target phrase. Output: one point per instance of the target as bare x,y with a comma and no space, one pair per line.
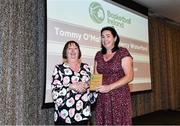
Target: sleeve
125,53
97,55
92,97
59,91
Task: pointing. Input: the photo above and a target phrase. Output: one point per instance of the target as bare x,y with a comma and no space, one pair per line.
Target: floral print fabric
70,105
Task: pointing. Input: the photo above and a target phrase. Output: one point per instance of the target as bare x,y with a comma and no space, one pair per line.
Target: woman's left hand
104,88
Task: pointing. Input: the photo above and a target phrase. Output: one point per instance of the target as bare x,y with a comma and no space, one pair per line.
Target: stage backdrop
82,20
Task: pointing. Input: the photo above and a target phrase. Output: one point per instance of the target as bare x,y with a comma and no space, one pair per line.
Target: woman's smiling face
72,52
107,39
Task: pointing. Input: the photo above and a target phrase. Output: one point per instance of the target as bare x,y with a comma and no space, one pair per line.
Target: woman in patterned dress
113,105
70,88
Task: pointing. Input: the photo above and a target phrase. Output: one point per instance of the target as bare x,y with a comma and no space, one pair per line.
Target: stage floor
161,117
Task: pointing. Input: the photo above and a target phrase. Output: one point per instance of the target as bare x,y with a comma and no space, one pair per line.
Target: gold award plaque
95,81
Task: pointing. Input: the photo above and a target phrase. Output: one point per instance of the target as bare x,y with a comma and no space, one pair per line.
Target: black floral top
70,105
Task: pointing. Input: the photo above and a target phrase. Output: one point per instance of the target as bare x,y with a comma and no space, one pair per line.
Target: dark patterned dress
71,107
114,107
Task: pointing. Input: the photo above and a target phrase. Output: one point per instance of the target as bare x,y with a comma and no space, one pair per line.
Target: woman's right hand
80,87
104,88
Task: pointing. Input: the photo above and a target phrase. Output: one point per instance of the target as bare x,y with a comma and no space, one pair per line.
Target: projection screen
82,20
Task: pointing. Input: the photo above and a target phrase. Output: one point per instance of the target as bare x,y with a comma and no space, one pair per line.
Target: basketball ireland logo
96,12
